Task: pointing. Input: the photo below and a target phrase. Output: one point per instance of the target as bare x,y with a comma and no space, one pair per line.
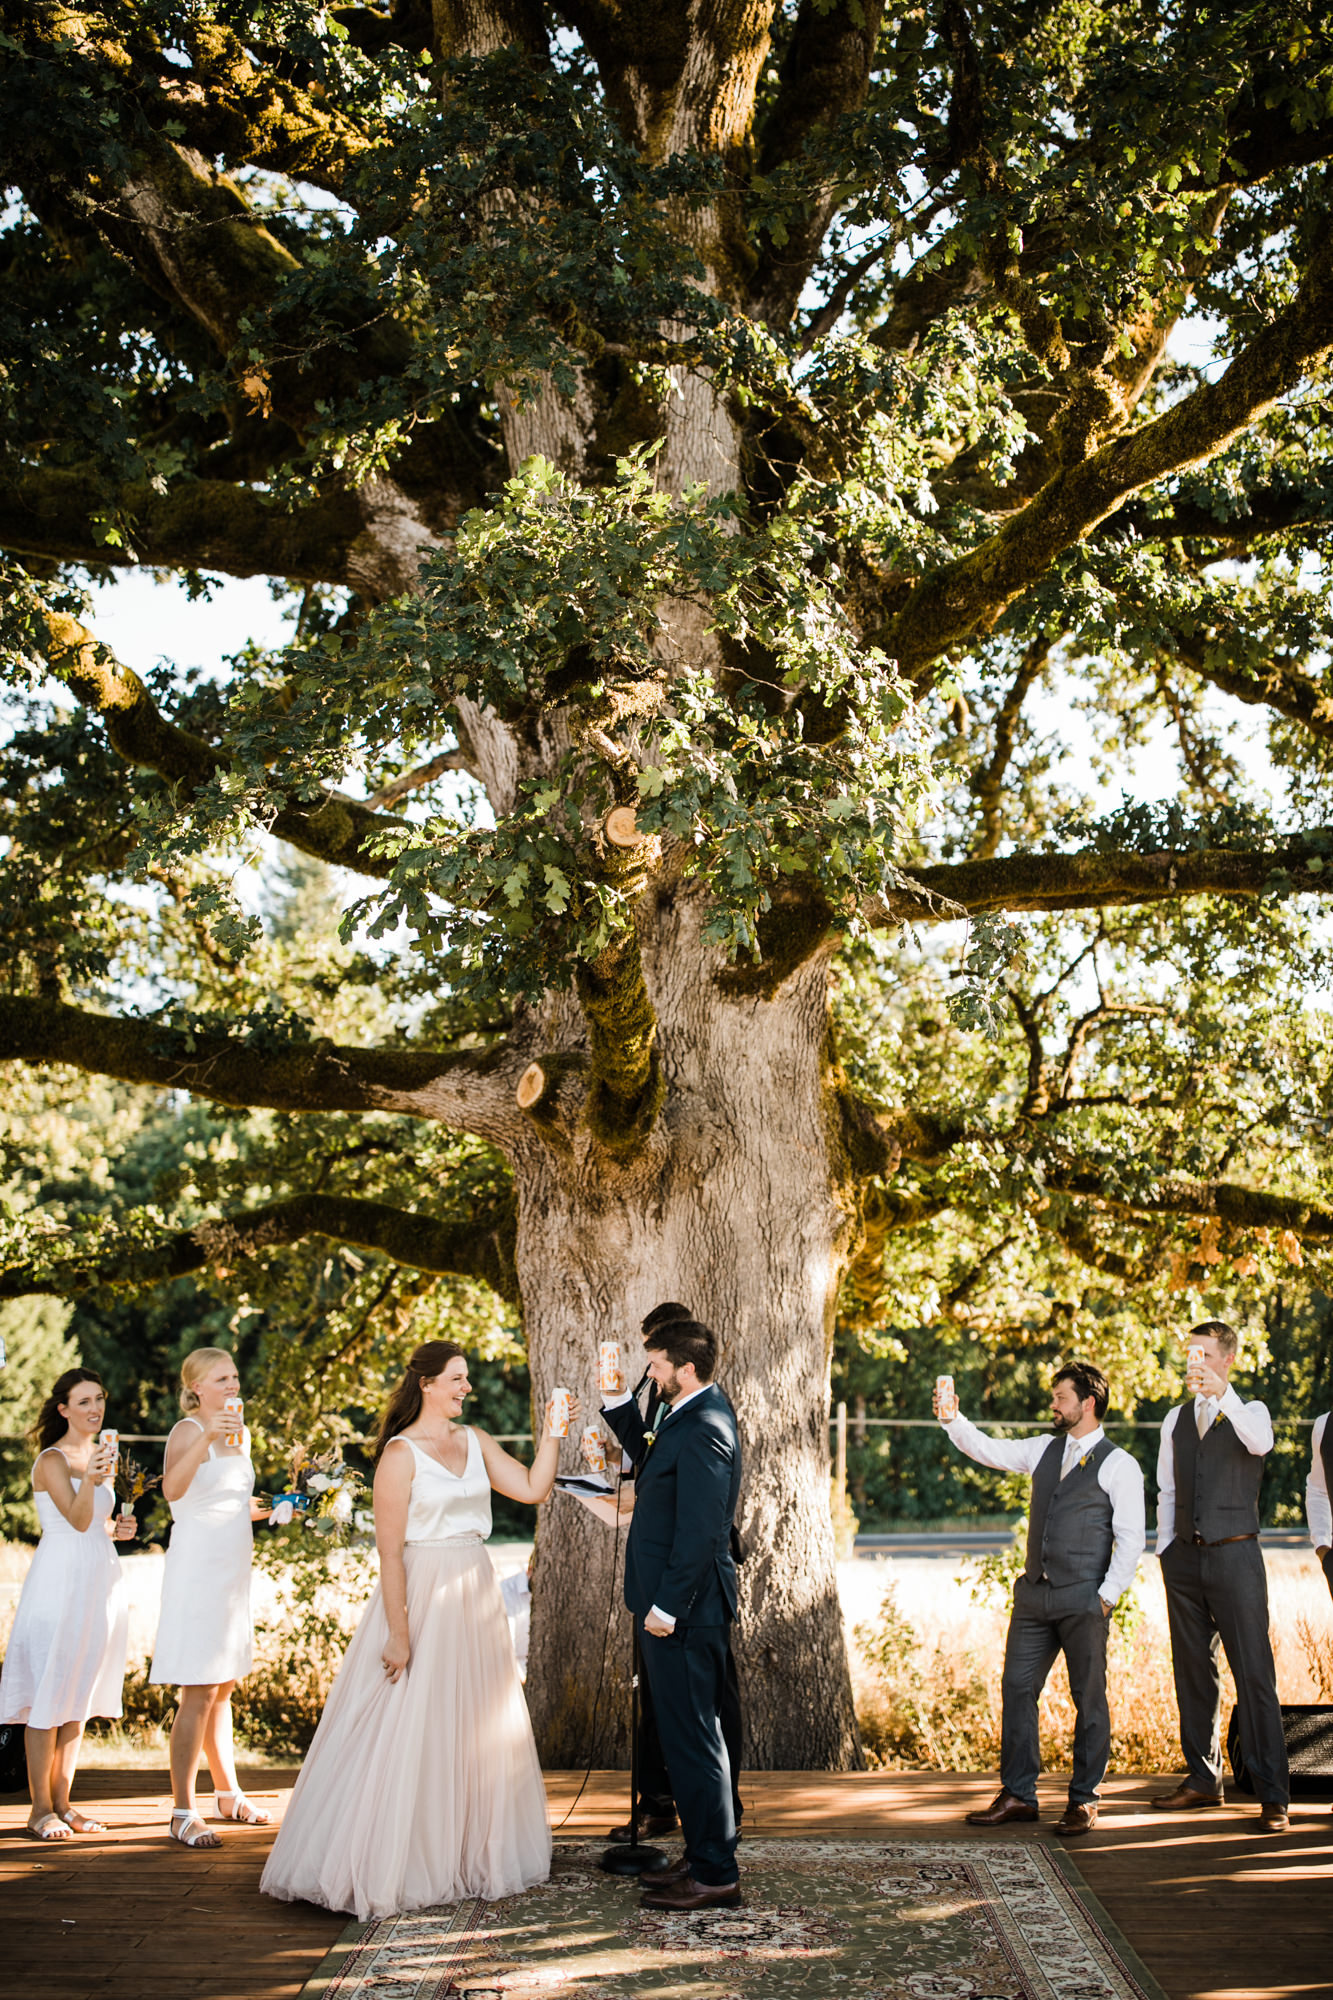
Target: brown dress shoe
651,1827
687,1894
1272,1818
1003,1808
1076,1819
1186,1798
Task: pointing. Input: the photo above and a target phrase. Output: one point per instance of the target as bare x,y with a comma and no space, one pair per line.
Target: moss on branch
292,1076
482,1248
1093,881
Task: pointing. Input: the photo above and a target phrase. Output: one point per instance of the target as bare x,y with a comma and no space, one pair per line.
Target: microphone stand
629,1858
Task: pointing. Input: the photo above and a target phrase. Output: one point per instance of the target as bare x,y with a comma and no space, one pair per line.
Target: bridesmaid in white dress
422,1784
205,1637
66,1656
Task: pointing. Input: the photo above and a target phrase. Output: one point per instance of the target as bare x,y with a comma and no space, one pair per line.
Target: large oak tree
713,451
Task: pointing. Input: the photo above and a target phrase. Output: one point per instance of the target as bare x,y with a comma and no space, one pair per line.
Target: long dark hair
404,1405
50,1425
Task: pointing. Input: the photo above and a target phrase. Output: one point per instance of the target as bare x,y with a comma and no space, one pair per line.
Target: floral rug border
421,1954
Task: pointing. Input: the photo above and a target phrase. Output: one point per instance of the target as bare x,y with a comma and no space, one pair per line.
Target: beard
668,1391
1060,1425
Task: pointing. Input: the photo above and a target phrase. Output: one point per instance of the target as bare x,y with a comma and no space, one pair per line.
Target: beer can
944,1388
559,1414
232,1408
109,1441
593,1447
1193,1364
609,1378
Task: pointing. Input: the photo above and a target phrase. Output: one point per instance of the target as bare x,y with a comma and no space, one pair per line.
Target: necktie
1073,1451
1204,1411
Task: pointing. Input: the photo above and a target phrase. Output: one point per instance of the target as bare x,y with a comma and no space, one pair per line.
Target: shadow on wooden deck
1216,1911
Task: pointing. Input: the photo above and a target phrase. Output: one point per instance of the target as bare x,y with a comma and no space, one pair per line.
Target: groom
680,1584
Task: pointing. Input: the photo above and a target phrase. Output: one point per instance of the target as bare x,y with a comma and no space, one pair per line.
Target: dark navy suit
679,1558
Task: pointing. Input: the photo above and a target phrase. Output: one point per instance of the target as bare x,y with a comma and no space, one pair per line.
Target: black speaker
13,1763
1308,1729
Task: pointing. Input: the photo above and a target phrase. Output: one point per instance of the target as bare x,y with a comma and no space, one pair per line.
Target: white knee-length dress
205,1632
65,1660
428,1788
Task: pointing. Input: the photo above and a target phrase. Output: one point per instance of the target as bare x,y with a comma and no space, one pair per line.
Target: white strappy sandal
192,1831
49,1827
243,1813
79,1822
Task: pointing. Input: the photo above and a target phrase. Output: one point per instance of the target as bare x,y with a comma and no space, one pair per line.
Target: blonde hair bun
193,1369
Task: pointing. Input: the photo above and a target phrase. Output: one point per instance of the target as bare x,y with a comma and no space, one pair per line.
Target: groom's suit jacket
678,1556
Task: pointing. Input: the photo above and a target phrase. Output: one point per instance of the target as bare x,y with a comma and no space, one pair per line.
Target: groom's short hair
684,1341
664,1314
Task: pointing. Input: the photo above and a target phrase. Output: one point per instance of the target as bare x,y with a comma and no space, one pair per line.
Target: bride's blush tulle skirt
428,1789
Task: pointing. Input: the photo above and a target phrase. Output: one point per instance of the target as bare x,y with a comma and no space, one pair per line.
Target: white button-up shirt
1118,1475
1252,1425
1318,1508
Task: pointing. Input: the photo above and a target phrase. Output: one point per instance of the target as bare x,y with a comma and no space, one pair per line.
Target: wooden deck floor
1215,1911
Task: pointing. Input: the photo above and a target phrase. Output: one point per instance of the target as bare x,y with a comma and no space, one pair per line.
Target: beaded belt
448,1542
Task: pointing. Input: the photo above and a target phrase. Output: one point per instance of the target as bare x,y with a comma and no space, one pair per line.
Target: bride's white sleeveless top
448,1506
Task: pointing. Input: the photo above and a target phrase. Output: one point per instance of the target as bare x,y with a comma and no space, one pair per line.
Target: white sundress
65,1661
205,1632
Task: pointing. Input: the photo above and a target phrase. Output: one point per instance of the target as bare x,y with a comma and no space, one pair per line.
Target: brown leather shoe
687,1894
1076,1819
651,1827
1272,1818
1186,1798
1003,1808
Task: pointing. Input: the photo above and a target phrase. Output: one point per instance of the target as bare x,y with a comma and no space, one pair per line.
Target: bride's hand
395,1656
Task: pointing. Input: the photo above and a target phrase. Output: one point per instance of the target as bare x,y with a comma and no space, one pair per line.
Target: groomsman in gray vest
1318,1486
1085,1537
1208,1472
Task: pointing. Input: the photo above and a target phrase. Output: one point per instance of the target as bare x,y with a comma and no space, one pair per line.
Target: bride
422,1784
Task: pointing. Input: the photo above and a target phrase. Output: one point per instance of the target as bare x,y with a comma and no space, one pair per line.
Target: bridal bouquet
321,1494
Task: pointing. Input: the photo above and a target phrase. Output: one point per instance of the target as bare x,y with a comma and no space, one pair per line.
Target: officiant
657,1805
680,1585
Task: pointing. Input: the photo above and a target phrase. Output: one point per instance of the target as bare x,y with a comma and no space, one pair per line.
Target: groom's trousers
655,1793
687,1674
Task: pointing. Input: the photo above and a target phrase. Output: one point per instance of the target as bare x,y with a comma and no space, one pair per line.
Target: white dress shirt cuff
615,1402
665,1617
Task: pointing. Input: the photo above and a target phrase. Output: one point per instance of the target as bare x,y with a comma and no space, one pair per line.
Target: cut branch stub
532,1087
622,828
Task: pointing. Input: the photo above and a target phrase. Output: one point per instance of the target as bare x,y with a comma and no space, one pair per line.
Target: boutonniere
649,1440
1083,1461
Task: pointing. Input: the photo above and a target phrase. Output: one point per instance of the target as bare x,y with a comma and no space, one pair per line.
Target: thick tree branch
483,1249
969,595
50,512
1239,1207
825,75
412,781
339,830
1278,684
1266,513
1098,881
472,1092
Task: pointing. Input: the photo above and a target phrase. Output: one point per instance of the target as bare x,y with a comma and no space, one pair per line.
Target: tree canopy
721,462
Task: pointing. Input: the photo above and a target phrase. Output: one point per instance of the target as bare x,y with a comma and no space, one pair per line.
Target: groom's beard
1061,1425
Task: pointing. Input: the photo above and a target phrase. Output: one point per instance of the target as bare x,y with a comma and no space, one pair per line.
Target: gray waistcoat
1069,1522
1217,1480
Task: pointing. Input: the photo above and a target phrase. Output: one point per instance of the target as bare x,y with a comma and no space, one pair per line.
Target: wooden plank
1216,1911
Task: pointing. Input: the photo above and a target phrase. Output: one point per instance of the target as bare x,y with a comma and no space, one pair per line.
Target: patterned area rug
891,1920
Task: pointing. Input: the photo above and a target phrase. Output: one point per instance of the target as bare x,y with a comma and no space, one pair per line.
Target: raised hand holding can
557,1423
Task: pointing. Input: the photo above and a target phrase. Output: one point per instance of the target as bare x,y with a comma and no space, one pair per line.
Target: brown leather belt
1199,1542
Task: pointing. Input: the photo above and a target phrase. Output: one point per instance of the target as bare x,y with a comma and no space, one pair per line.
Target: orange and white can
944,1393
1193,1367
109,1441
559,1427
593,1446
232,1408
609,1378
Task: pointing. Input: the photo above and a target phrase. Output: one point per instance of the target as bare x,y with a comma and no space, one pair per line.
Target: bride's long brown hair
404,1406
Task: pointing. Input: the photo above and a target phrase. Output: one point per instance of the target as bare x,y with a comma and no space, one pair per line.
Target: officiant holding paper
680,1585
